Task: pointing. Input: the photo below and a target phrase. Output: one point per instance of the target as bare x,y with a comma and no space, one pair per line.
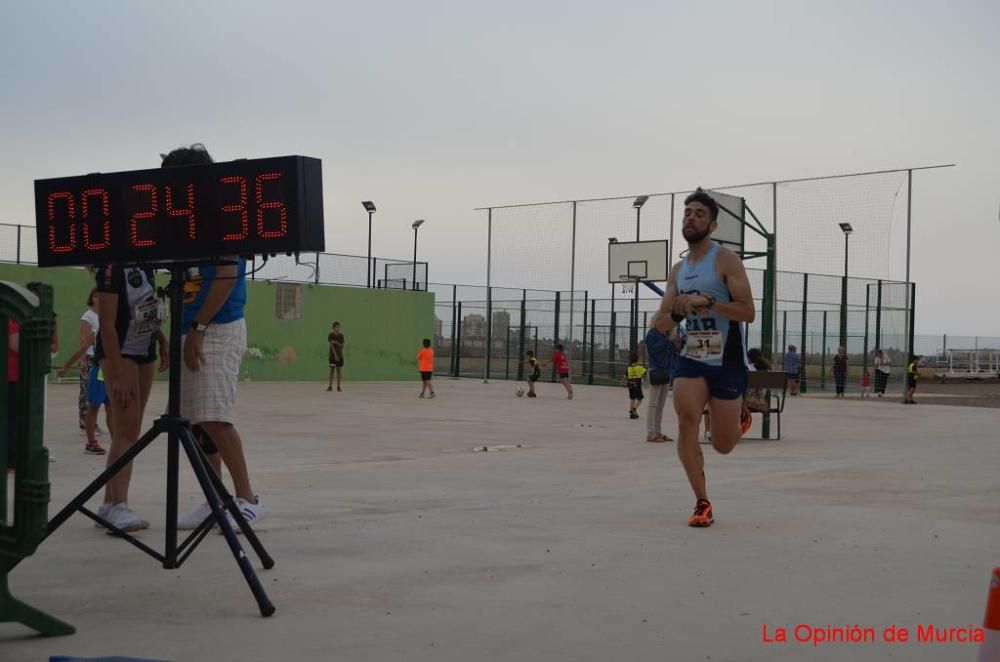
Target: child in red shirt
866,384
561,364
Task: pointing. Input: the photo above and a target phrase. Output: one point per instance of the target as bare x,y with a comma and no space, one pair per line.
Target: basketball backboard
630,261
731,232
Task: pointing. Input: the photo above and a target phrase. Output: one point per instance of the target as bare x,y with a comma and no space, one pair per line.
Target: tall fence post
868,302
316,275
583,344
912,330
593,324
458,353
520,344
612,342
632,313
572,291
555,331
822,365
768,323
19,244
802,350
506,367
454,331
843,312
489,334
784,332
878,317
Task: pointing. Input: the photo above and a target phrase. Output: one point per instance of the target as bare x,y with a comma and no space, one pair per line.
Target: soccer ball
519,391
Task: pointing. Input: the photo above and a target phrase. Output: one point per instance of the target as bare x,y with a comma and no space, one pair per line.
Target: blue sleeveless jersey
711,338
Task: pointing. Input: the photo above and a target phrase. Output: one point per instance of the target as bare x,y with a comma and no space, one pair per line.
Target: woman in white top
83,357
883,366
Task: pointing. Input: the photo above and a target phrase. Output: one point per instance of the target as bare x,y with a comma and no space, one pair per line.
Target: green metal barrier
23,520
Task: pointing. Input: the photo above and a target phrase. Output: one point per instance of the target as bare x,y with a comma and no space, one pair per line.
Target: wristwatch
197,326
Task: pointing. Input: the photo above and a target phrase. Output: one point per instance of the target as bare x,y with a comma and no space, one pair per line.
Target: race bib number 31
704,345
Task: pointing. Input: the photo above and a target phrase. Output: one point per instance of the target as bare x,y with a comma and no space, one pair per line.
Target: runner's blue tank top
711,338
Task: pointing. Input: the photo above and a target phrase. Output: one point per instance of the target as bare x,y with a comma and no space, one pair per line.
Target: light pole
370,208
416,224
847,230
637,205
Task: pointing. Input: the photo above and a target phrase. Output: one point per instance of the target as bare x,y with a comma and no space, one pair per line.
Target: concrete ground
394,540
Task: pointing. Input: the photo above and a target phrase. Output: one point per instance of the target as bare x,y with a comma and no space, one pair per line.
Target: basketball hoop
628,286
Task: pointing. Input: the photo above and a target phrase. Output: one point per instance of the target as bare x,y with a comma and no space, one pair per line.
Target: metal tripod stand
179,436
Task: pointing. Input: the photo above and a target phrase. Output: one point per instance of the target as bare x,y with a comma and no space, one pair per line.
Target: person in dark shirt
336,341
130,318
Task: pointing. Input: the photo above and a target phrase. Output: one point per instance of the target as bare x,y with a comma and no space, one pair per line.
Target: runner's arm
662,320
741,308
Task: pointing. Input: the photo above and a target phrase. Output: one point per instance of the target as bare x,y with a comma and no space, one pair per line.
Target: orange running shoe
702,516
746,420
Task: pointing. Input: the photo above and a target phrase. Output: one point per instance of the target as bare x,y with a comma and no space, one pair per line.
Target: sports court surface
395,540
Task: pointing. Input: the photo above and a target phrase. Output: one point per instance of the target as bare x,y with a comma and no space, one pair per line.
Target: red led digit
262,206
142,215
70,216
241,208
105,220
187,212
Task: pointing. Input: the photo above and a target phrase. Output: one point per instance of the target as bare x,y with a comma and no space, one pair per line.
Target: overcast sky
434,108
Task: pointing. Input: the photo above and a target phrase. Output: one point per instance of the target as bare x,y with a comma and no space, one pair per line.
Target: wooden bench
775,387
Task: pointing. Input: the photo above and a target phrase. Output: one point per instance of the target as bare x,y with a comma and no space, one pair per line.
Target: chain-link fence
484,332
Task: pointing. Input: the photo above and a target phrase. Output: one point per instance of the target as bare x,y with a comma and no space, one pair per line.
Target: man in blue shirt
660,356
215,339
791,364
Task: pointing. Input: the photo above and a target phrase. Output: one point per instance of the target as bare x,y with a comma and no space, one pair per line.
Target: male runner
709,290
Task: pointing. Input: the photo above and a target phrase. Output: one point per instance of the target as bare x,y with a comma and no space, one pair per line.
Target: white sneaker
124,519
195,517
252,513
102,512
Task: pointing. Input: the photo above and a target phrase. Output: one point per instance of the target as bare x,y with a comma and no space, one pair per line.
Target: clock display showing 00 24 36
245,207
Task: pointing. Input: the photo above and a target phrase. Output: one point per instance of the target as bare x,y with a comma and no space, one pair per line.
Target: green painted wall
382,328
382,333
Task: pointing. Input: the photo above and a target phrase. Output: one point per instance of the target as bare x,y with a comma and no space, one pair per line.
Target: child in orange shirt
425,364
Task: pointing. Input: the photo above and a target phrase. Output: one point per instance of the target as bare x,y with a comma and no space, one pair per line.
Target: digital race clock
245,207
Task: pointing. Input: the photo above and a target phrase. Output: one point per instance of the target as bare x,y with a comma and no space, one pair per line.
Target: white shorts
209,395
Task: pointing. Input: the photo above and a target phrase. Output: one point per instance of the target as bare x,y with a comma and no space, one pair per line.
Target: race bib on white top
148,316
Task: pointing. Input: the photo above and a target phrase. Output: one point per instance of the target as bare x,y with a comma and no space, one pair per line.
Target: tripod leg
229,503
203,473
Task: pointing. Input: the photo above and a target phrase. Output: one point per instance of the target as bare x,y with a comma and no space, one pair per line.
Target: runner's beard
697,237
